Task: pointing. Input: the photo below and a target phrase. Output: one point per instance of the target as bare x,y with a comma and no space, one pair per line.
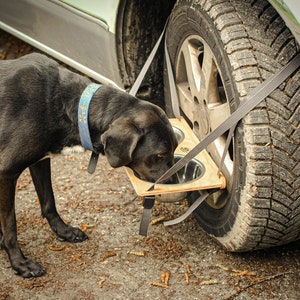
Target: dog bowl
201,173
178,134
192,171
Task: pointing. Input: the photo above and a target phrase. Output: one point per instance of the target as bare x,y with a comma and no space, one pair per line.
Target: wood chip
242,273
165,277
98,209
84,227
188,268
103,257
138,253
187,278
162,285
168,274
55,248
187,274
74,257
158,220
101,281
223,267
209,282
235,272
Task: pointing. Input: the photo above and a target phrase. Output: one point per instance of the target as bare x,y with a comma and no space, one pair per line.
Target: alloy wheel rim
203,101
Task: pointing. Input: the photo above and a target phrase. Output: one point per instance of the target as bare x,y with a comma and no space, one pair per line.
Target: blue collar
83,113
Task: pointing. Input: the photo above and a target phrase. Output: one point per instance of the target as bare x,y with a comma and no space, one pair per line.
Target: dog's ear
119,142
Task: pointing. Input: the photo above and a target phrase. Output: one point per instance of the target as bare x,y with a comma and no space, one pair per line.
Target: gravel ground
117,263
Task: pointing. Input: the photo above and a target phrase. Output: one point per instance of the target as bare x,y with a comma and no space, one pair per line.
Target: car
220,51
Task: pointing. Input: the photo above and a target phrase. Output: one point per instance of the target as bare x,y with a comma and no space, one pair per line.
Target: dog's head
143,141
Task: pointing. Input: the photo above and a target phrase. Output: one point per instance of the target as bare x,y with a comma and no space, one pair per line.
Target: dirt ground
116,262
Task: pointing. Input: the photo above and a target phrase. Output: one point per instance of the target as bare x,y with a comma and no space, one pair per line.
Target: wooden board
208,180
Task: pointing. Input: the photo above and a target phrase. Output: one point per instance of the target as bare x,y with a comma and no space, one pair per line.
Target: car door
79,33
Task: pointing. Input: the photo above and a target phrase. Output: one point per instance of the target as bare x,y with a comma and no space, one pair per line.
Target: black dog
39,107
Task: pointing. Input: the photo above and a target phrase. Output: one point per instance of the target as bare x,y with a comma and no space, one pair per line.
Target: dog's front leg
41,175
21,265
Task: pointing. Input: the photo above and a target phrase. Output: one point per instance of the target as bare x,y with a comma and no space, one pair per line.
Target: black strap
253,99
193,207
93,162
146,215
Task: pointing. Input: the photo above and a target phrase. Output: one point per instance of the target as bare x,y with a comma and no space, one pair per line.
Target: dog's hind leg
41,175
21,265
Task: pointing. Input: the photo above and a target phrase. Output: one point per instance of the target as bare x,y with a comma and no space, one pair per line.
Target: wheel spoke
190,54
209,77
188,74
218,114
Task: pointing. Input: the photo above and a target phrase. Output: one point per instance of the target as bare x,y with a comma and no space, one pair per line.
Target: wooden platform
208,180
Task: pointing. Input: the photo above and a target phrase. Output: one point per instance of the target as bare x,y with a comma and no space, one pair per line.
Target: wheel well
139,25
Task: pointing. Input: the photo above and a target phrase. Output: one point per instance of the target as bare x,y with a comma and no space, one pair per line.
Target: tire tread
266,55
258,43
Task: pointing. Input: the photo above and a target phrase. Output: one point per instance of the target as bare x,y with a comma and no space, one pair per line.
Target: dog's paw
72,235
28,268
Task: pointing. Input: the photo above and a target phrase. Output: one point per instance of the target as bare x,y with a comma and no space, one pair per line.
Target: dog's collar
83,123
83,113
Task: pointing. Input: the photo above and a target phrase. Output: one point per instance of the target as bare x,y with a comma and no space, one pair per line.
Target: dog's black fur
38,115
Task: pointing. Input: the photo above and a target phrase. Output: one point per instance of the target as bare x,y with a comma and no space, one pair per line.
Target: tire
138,29
220,51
